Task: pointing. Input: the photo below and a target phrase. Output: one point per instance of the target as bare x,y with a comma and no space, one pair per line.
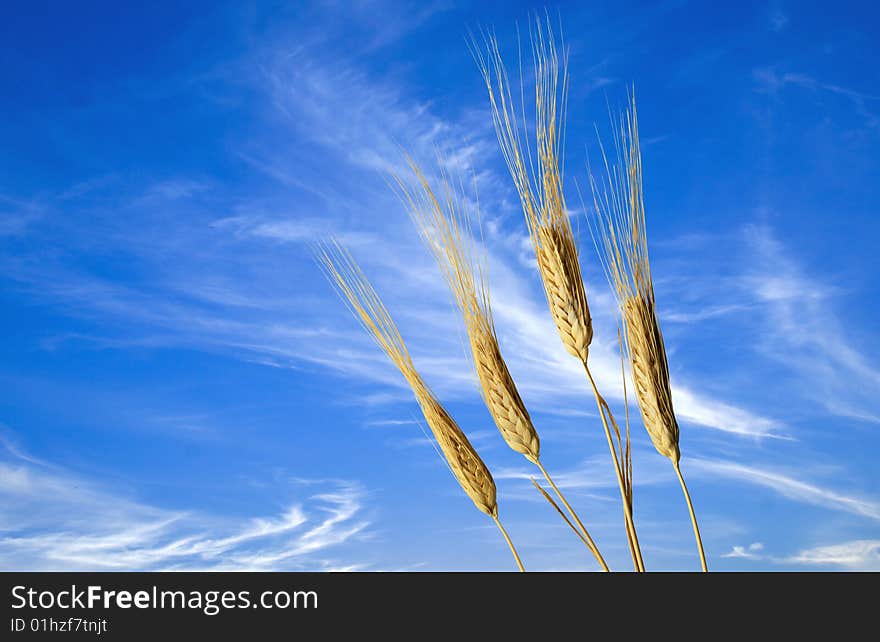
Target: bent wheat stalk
621,241
539,185
446,228
363,301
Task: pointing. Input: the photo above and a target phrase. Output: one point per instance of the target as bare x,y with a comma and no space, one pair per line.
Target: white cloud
863,555
366,122
52,520
171,190
803,331
17,215
712,413
855,555
789,487
695,316
595,473
751,552
772,81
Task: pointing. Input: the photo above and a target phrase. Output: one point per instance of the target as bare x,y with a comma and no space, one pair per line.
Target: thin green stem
587,539
510,544
687,497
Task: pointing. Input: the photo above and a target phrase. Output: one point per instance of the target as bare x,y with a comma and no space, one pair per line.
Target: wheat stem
561,512
638,563
587,539
687,497
510,544
627,455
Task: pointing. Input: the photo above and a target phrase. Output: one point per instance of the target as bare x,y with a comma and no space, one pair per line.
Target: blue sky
181,389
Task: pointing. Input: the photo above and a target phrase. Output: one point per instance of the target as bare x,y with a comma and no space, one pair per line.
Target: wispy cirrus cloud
361,121
17,214
591,475
771,80
804,331
782,312
356,123
863,555
53,520
713,413
854,555
789,487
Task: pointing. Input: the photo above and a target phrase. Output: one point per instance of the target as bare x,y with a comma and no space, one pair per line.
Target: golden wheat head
560,270
466,464
647,357
621,240
538,180
362,299
445,225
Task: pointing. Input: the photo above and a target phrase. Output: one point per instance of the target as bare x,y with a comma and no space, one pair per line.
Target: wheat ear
445,226
363,301
621,240
539,185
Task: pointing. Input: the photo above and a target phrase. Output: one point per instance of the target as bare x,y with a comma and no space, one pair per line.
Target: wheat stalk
539,185
621,239
445,225
363,301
